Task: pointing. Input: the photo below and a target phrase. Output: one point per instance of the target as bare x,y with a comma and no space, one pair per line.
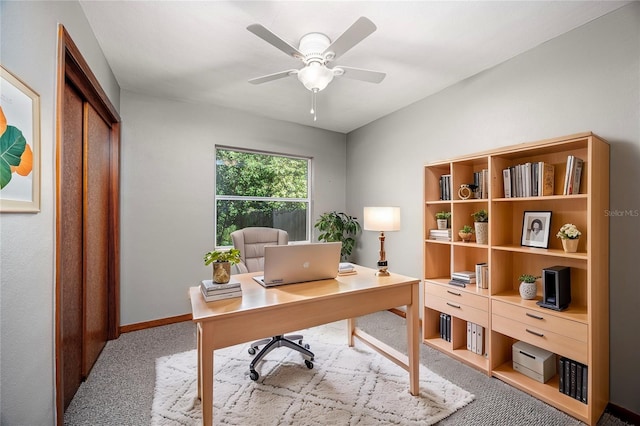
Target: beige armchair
251,242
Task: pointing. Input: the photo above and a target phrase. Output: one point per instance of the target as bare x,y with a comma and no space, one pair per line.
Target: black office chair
251,242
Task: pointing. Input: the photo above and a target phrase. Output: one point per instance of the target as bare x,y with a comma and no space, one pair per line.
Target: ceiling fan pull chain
313,103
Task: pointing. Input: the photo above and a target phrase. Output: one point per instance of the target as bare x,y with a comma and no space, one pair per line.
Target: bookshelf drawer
541,320
545,339
457,309
457,296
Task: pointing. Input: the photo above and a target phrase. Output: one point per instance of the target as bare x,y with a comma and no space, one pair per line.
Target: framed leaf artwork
19,145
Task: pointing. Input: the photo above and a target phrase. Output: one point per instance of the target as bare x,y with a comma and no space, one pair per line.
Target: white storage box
533,361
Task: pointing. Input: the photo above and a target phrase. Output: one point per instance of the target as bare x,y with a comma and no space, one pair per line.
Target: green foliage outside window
255,189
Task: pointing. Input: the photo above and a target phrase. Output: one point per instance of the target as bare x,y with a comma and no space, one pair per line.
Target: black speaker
556,288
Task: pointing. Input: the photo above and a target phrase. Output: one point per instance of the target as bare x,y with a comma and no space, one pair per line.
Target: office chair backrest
251,242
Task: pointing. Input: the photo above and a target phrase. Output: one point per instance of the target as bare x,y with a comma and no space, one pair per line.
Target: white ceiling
202,52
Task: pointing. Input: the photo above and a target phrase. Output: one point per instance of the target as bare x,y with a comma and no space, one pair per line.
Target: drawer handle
453,305
534,316
454,293
535,333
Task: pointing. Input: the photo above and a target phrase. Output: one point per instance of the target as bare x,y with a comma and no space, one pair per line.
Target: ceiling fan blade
352,36
274,76
275,40
361,74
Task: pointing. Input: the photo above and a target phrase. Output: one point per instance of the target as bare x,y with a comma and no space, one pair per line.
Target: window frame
216,197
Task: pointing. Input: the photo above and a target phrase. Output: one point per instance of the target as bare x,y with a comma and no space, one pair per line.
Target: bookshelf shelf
580,332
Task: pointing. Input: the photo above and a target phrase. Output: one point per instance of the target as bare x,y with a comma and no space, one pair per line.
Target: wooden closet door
96,233
70,241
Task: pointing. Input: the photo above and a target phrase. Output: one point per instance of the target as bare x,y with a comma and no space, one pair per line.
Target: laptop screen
295,263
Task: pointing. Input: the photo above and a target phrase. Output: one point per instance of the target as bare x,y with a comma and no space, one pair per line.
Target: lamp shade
315,76
382,218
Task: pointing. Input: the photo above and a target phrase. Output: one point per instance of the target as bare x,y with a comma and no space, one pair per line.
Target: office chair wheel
252,351
309,364
306,345
253,375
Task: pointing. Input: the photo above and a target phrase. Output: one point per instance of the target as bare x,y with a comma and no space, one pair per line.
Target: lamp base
382,273
382,269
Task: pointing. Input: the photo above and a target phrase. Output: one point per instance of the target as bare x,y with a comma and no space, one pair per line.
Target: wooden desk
265,312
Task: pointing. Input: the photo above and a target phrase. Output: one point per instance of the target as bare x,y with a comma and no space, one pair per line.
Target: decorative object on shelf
528,287
19,146
570,235
442,219
535,229
466,191
556,288
466,233
222,261
481,224
339,227
382,219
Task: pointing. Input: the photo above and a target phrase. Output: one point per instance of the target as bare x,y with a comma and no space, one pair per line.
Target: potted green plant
442,219
466,232
341,227
222,261
481,224
528,287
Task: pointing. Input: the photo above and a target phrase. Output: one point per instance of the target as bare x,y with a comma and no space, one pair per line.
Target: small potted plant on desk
466,233
528,287
442,219
222,261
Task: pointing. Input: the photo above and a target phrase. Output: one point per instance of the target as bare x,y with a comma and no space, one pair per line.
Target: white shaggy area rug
347,386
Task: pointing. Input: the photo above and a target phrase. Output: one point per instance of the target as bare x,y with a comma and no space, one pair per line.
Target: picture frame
19,146
536,227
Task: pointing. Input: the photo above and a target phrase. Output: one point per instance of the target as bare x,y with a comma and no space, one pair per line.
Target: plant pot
442,223
221,272
570,246
465,236
482,232
528,290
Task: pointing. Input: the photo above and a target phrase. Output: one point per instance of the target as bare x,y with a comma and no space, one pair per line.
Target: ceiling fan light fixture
315,76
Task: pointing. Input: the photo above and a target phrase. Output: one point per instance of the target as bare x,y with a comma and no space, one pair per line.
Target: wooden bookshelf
581,332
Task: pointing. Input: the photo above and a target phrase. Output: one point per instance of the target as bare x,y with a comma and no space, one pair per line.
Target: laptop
296,263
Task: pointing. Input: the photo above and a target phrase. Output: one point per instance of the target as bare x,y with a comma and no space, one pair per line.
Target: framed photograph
19,145
535,229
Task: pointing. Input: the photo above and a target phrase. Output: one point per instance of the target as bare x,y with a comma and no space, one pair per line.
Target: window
261,189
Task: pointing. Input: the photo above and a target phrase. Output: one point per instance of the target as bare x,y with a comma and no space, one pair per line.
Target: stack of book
212,291
475,338
529,180
463,278
573,379
346,268
445,327
440,234
482,275
572,175
445,187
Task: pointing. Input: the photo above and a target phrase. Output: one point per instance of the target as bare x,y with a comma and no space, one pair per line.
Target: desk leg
351,326
199,353
207,384
413,341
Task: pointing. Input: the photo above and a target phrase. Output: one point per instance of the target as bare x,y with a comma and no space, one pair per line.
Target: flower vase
221,272
482,232
528,290
442,223
570,245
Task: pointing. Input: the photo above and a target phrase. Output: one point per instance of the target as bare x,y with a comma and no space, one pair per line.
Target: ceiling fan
316,51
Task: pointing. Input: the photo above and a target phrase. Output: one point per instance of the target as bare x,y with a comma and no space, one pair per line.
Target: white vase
528,290
442,223
482,232
570,246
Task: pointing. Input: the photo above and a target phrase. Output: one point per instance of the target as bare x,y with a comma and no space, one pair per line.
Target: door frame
73,67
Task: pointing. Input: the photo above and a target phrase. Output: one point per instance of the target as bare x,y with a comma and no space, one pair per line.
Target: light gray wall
28,49
167,178
588,79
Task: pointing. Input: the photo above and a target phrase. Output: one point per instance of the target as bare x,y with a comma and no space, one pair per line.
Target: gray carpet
119,390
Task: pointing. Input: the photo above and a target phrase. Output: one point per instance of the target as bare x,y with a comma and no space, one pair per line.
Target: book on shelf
482,275
458,283
448,328
528,180
445,187
466,277
212,297
573,175
573,379
474,340
469,335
